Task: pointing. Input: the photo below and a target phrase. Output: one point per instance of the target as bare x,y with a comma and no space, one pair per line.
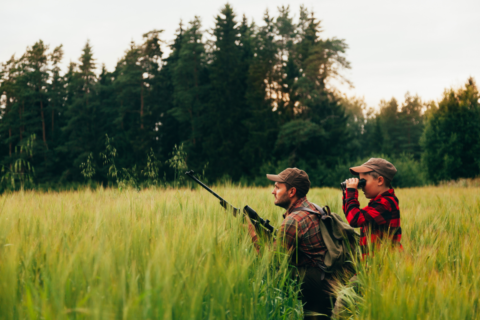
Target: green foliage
134,255
151,171
20,170
410,172
393,130
224,133
109,156
439,249
173,254
178,163
262,123
253,94
451,139
88,169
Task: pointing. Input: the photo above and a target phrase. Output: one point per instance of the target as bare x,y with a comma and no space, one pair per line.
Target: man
300,234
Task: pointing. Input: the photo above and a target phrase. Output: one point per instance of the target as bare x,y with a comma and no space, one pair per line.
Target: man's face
282,198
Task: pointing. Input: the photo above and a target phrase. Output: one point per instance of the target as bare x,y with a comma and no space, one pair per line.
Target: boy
381,218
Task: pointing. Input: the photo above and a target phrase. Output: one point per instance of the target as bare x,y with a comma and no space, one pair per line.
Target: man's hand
253,233
352,183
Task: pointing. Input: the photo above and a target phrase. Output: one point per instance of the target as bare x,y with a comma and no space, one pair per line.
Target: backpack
340,239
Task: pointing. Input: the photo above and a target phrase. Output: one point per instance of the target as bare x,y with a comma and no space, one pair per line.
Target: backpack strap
321,213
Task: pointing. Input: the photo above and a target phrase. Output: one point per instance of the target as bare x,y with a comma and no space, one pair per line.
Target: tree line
247,100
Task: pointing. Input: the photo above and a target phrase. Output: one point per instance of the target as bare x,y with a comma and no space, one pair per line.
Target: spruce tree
262,121
412,125
134,84
168,128
11,125
355,109
390,127
315,131
80,130
450,139
224,131
36,61
287,70
56,89
190,84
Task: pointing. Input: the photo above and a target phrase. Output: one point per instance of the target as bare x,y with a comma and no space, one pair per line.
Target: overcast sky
421,46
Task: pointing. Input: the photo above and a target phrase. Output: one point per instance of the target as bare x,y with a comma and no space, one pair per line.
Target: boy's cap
379,165
295,177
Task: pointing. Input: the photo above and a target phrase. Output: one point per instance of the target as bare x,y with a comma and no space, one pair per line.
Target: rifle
247,211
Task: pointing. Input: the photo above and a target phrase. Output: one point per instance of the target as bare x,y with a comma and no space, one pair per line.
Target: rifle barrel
247,210
190,174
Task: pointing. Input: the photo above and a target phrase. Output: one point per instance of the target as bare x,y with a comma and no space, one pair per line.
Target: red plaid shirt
304,227
381,218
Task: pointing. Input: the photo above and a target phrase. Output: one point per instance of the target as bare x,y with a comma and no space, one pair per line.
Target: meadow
176,254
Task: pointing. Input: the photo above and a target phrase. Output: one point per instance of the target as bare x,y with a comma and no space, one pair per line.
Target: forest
232,103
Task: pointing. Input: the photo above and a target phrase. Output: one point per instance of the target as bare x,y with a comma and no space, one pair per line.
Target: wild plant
88,167
178,162
109,159
20,170
151,170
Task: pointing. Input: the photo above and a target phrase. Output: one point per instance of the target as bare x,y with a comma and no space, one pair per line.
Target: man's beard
283,202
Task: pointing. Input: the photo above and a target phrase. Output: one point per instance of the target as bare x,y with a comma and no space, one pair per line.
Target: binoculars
361,183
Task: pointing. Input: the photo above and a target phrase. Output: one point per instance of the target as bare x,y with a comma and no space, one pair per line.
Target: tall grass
176,254
155,254
437,274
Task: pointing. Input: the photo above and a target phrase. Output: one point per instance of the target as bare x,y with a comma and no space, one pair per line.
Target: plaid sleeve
379,211
287,234
344,200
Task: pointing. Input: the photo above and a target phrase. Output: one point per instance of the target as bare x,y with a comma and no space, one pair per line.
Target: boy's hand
352,183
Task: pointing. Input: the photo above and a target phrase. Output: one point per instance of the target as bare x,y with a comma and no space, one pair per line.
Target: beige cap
295,177
379,165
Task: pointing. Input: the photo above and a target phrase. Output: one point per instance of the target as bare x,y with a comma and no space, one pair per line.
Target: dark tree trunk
141,107
20,118
53,110
10,143
43,126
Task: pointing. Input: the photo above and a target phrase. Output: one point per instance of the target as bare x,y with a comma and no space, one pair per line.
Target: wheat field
176,254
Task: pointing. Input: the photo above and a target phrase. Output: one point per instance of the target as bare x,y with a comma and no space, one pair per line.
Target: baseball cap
293,176
379,165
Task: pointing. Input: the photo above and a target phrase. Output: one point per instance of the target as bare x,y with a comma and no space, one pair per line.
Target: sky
395,47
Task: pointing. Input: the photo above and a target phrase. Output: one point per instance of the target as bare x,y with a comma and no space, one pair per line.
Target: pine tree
412,125
224,132
390,127
150,62
134,83
316,130
262,121
167,128
10,101
36,62
287,71
80,130
451,135
56,89
355,109
189,84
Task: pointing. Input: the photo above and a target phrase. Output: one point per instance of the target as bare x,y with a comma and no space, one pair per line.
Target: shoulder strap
321,211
